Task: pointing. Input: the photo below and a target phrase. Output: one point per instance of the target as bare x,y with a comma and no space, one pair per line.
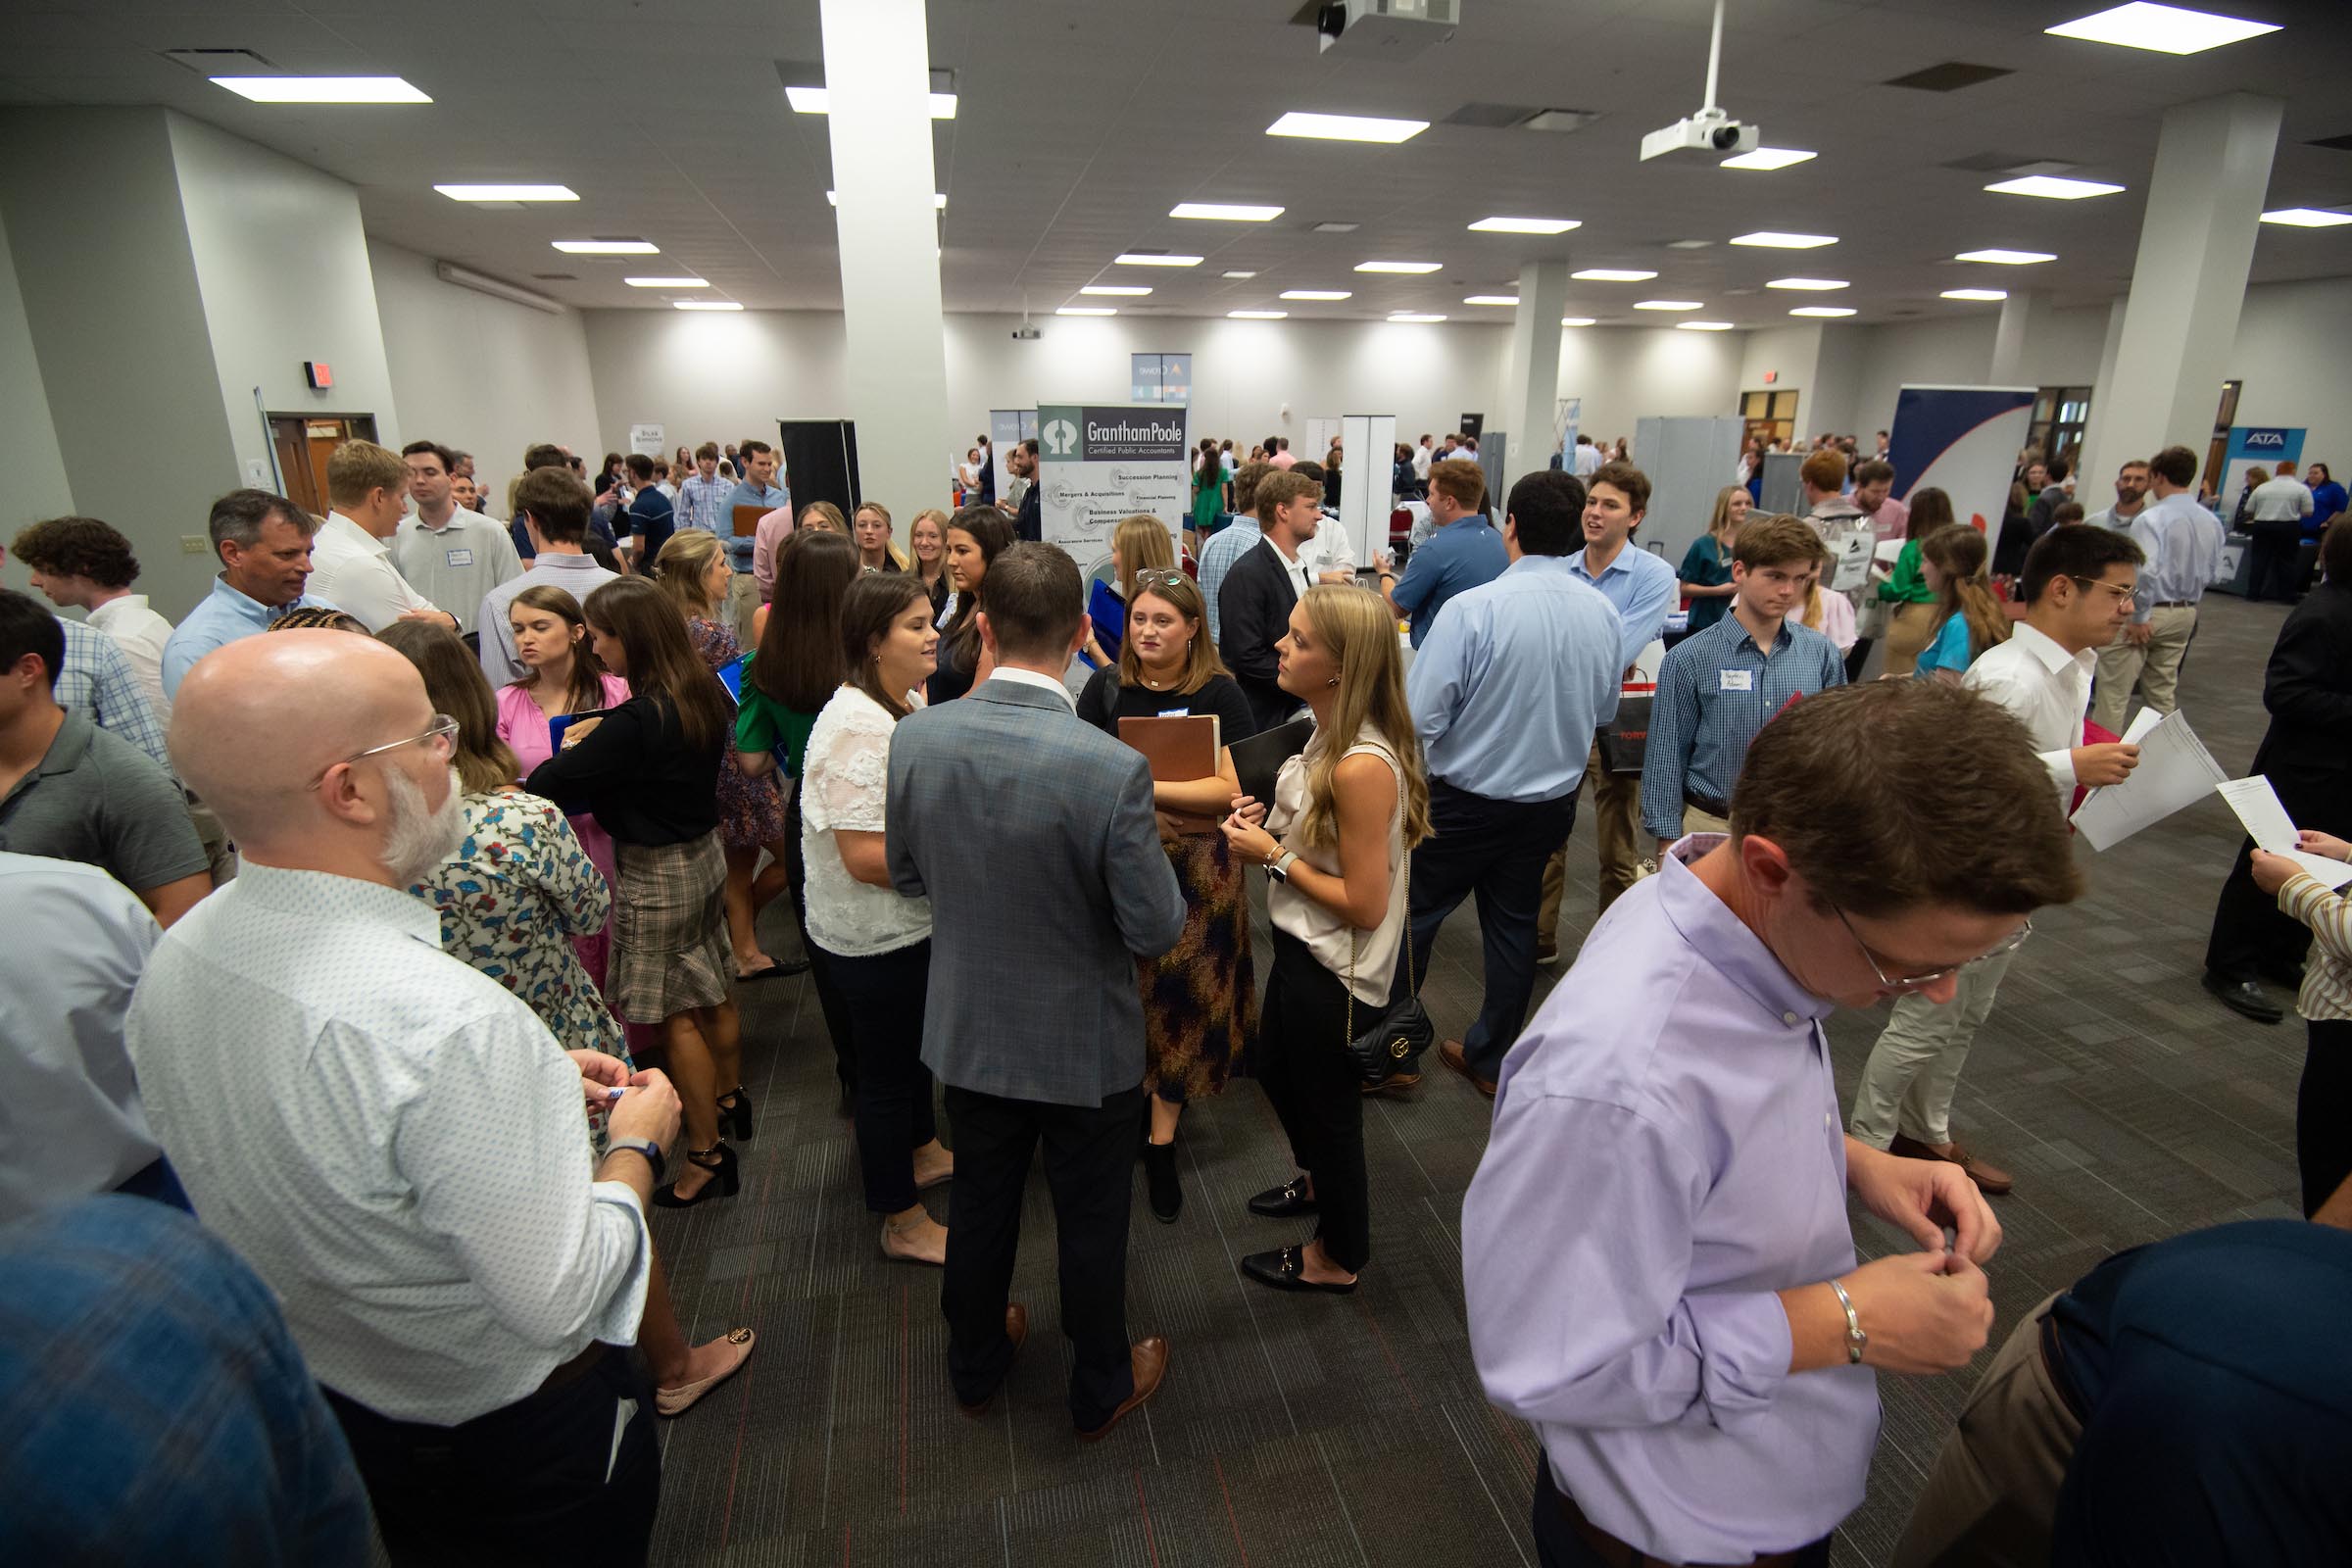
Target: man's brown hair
2175,466
357,469
1778,540
2335,552
1280,486
1891,795
1627,480
1033,598
1245,486
1824,470
1463,480
557,501
1874,471
78,547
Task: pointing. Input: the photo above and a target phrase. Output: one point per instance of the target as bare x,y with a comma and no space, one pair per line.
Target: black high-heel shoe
735,1109
719,1160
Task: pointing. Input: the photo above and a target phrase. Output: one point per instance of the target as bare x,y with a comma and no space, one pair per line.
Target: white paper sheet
2146,720
2175,770
2267,824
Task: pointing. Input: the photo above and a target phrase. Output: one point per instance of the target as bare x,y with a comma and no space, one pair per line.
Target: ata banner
1963,440
1102,464
2253,446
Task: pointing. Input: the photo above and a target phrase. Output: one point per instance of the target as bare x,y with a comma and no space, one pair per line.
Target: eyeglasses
2116,591
441,735
1169,579
1917,982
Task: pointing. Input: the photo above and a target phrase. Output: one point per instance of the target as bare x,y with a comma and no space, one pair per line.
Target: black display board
820,463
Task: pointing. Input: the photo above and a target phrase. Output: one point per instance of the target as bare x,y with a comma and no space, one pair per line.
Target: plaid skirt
670,930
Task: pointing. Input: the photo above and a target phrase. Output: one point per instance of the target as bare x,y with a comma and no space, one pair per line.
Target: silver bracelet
1856,1341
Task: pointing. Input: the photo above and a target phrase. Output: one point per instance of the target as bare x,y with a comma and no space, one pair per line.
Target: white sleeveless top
1328,936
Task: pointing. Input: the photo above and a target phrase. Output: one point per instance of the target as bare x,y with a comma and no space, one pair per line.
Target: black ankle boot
1159,1176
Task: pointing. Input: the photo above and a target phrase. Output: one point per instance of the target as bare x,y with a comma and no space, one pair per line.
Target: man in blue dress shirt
1719,688
757,489
1658,1264
1464,550
264,544
1506,695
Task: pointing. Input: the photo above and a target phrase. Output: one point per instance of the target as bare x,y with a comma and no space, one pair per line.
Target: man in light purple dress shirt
1660,1273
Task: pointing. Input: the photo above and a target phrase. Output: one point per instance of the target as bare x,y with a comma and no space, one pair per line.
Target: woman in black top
927,545
1200,996
648,770
976,536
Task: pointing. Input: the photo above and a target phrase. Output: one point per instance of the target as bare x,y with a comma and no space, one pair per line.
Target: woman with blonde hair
1199,996
1138,543
1952,564
1347,812
927,542
1706,575
870,529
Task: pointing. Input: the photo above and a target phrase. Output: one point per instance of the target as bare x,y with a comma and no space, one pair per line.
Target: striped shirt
1715,691
95,679
1230,543
703,504
2328,983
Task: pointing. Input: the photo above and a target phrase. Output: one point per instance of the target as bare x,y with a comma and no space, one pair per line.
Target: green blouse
1906,586
764,724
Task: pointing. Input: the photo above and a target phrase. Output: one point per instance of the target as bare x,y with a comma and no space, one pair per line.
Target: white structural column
2024,313
2196,243
878,90
2088,485
1531,378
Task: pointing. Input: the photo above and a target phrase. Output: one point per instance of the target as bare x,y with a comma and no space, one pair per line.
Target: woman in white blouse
877,945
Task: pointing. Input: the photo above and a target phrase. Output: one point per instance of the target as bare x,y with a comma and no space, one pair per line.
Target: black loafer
1281,1202
2245,998
1285,1269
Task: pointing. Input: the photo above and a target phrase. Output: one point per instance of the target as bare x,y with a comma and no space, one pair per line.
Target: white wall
28,453
2291,354
480,374
1625,373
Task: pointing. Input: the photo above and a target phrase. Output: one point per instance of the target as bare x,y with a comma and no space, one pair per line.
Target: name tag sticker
460,558
1737,680
1175,713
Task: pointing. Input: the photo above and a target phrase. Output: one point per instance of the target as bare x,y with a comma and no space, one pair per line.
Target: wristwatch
1856,1341
1279,867
643,1145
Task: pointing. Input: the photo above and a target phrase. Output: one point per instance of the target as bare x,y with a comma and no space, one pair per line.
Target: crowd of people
393,907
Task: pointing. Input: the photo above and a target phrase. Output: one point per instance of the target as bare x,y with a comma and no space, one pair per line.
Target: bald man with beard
394,1141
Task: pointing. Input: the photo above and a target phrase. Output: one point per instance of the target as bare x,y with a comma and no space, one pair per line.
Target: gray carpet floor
1330,1430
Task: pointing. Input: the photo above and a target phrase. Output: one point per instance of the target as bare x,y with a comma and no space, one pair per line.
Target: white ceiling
1082,122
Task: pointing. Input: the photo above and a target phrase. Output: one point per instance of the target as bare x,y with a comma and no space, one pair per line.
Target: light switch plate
194,544
257,472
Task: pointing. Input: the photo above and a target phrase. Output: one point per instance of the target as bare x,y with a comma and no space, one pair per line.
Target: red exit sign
321,376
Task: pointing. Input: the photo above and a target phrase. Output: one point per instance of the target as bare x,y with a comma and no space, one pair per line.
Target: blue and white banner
1963,440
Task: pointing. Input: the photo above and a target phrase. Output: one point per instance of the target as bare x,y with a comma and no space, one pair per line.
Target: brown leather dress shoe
1016,1329
1149,1361
1395,1083
1990,1180
1450,1052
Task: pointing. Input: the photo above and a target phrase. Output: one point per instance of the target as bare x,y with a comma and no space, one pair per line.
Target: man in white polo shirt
449,554
351,562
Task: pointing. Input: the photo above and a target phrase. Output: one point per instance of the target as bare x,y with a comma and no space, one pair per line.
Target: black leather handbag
1395,1041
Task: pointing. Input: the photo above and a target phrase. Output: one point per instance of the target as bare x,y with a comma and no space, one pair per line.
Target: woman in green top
786,684
1911,625
1706,573
1208,486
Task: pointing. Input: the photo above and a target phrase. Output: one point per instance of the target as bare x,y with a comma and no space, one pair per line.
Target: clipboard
747,518
1258,762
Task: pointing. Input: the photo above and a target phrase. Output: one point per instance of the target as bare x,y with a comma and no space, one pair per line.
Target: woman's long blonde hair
1142,543
1360,631
680,566
1719,523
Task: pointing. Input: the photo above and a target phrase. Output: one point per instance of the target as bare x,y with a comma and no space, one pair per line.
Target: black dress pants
1305,1070
2252,938
1495,850
829,998
1560,1545
885,993
570,1475
1089,1164
2271,574
2324,1112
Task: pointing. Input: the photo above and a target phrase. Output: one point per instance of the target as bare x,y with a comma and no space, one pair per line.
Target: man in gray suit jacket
1033,835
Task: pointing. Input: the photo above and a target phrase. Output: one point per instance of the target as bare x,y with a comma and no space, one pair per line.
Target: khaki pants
742,601
1907,1084
1695,820
1617,828
1909,630
2153,669
1993,1492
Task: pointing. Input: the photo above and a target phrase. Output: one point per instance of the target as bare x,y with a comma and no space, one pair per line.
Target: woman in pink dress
565,677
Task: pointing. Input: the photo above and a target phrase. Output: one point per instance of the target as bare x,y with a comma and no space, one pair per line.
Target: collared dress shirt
94,678
220,617
1586,461
455,565
2183,542
1667,1155
1513,681
768,497
1229,544
2281,500
577,575
140,635
2046,689
1463,554
392,1140
1642,587
703,504
1715,691
353,569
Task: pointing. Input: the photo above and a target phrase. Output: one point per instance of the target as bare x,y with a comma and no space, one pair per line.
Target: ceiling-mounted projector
1383,29
1710,131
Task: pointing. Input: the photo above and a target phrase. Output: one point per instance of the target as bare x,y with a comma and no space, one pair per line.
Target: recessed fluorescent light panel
1576,320
322,89
1241,274
1156,258
939,200
2002,258
1669,305
1612,274
1769,158
1822,310
704,305
666,283
1316,294
1337,228
2052,187
1491,299
1086,310
2307,218
1814,284
1412,315
1412,267
1225,212
1257,315
509,193
814,101
2166,29
1974,294
1128,290
1702,326
1526,225
1345,127
1773,240
606,247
